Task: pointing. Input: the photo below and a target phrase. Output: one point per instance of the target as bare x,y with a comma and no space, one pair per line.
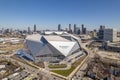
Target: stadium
51,48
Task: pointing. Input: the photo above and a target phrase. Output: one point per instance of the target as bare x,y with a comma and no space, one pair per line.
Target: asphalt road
80,73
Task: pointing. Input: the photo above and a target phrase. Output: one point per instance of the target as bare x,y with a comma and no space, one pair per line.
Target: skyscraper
70,30
78,30
85,31
101,32
34,27
75,29
29,30
82,28
69,27
59,27
102,27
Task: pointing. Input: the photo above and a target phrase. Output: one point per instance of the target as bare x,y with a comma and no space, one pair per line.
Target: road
80,73
33,70
28,68
45,72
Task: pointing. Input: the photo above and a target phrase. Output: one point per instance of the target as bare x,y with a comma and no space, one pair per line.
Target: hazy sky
49,13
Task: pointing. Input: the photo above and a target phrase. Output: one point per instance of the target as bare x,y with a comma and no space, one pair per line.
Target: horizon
47,14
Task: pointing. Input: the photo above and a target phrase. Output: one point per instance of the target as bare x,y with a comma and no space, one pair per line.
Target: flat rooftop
115,44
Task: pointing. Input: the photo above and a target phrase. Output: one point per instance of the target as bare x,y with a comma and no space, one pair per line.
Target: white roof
34,37
48,32
57,43
63,47
61,44
2,66
71,36
55,38
56,32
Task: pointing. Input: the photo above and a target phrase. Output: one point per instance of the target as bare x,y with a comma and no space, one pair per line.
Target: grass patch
73,66
64,72
57,66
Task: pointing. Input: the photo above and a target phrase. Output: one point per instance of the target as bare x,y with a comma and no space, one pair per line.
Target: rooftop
34,37
55,32
55,38
117,44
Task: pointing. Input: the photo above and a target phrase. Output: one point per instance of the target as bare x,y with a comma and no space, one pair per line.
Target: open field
9,48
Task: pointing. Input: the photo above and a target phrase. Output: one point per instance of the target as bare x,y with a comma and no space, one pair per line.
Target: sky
47,14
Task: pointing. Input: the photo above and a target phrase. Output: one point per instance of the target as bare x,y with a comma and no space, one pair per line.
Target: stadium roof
50,44
55,32
34,37
55,38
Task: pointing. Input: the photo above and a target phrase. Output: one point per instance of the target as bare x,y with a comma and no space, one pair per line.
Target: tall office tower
78,30
102,27
75,29
84,31
28,30
59,27
101,32
70,30
69,27
82,28
34,27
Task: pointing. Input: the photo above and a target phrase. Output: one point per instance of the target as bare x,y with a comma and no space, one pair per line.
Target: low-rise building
112,46
2,66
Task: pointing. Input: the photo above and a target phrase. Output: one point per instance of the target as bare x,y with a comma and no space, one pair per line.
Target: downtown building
101,32
51,48
112,35
112,39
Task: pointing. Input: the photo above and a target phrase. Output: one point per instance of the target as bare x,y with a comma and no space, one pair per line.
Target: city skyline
59,40
47,14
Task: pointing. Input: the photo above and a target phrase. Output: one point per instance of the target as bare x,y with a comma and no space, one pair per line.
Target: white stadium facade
51,47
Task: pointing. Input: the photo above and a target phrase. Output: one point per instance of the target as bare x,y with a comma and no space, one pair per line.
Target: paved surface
30,69
42,71
79,74
33,70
